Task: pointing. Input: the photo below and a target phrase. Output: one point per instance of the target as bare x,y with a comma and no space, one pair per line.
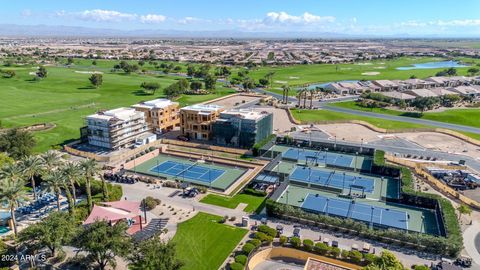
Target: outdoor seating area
43,205
121,178
155,226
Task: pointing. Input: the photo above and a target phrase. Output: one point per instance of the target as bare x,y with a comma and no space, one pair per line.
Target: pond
432,65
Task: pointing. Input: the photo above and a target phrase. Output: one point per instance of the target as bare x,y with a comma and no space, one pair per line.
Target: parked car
296,232
182,138
335,243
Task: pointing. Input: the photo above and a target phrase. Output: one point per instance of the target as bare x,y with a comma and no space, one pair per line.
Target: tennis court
188,171
330,178
350,209
206,173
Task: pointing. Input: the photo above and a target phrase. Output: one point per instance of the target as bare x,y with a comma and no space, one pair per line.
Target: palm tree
73,172
90,169
50,160
463,209
31,166
12,193
54,182
12,171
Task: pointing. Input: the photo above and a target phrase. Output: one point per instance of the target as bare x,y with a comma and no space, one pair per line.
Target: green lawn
65,97
204,244
466,117
254,202
298,75
323,116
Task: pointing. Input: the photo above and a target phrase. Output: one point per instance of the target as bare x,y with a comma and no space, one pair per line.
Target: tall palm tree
54,182
12,193
50,160
90,169
73,173
31,166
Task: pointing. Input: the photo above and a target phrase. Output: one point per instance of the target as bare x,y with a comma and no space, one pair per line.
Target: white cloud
152,18
306,18
190,20
101,15
466,22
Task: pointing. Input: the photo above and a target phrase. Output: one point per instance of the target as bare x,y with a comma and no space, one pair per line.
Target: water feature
432,65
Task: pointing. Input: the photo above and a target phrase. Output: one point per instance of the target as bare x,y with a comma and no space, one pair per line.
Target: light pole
361,145
326,207
422,225
335,144
381,187
355,165
371,218
343,182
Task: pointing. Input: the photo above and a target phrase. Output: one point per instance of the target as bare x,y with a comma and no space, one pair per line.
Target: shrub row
254,192
256,147
453,230
422,242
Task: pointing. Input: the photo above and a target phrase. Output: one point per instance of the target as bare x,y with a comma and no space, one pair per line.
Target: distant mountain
14,30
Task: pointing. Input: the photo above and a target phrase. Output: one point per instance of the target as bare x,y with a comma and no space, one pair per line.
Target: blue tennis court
359,211
331,178
328,158
188,171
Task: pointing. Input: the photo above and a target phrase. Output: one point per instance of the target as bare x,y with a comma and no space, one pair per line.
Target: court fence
421,242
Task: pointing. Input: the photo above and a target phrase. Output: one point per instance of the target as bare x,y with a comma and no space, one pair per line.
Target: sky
354,17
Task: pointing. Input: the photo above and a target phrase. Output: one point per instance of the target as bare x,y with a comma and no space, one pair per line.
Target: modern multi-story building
242,128
161,115
115,129
196,120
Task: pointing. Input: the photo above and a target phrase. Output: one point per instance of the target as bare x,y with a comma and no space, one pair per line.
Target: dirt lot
349,132
281,122
442,142
233,101
430,140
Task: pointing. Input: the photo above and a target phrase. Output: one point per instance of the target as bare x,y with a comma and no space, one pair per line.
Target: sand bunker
363,64
293,78
380,67
88,72
372,73
280,81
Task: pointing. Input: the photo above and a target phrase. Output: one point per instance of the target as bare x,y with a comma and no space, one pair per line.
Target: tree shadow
87,88
142,93
412,114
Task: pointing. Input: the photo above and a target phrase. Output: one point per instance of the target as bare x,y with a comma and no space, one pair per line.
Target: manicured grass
65,97
466,117
298,75
203,243
254,202
323,116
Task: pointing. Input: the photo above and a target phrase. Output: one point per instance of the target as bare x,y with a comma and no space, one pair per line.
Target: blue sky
383,17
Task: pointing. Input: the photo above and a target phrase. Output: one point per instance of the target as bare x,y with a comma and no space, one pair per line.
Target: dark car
296,232
182,138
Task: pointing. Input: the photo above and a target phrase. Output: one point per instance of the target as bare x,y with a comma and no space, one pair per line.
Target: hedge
296,242
422,242
256,147
308,244
454,233
241,259
255,242
251,191
236,266
247,248
267,230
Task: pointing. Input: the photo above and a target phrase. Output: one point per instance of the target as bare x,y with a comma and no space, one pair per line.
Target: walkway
139,191
470,236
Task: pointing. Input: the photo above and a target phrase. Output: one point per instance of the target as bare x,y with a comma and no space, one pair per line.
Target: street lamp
326,207
371,218
343,182
335,144
381,187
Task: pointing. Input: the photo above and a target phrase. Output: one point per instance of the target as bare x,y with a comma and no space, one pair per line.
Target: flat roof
246,114
155,103
118,113
203,108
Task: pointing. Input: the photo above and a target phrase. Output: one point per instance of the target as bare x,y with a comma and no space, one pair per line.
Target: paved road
325,105
399,147
387,117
